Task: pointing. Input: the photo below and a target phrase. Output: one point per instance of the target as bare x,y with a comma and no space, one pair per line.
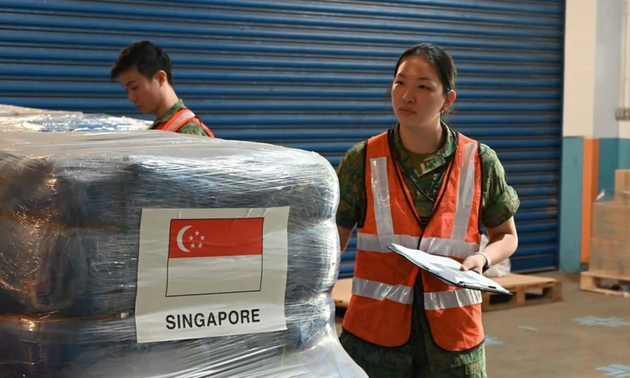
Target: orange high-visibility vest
180,118
380,309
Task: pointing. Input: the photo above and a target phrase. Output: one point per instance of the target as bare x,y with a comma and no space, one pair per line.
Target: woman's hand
474,262
502,243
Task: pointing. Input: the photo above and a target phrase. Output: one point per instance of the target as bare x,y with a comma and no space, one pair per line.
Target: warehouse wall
594,142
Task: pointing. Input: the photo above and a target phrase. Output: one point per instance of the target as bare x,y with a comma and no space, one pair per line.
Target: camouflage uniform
420,356
189,128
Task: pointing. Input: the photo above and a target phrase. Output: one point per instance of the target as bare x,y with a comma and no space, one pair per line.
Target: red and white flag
211,256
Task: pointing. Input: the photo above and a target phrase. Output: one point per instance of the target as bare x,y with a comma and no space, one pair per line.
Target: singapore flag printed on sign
232,249
211,272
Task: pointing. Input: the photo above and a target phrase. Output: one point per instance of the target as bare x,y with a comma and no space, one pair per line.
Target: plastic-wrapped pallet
17,111
17,118
89,220
106,347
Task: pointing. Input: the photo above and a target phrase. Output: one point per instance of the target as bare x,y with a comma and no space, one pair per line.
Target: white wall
579,67
624,126
608,57
593,68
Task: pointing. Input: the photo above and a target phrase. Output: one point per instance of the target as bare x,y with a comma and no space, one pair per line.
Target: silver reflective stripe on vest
380,291
184,116
448,247
442,300
380,192
377,243
465,192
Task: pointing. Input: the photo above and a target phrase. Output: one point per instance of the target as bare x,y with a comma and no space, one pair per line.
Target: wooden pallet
342,292
527,290
596,282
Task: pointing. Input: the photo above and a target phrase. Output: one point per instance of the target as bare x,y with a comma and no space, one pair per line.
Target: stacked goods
16,118
16,111
610,242
99,277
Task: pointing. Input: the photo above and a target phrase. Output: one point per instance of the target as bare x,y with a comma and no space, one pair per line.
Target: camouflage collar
417,165
179,105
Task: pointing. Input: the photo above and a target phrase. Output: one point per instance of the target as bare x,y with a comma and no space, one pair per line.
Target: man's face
144,93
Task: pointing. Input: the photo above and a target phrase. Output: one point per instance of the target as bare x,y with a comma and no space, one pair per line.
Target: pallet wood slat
526,290
592,281
342,292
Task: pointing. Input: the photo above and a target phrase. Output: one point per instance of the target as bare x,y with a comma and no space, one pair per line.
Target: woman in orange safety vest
424,186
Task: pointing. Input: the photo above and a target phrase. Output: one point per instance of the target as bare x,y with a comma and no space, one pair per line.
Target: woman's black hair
441,60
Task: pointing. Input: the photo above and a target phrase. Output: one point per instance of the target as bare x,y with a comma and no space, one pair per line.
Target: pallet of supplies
609,261
153,254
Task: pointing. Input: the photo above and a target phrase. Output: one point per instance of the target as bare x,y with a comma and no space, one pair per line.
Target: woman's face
417,92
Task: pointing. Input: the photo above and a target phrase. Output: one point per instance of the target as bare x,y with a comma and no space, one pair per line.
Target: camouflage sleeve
351,186
193,129
500,201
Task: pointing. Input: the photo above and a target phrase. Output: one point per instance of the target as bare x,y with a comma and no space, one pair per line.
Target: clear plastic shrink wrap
71,207
17,118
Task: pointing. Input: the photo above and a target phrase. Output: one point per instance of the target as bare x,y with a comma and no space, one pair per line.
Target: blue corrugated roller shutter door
314,75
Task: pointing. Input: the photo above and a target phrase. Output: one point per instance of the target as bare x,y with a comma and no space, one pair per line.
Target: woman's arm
351,172
502,244
499,205
344,237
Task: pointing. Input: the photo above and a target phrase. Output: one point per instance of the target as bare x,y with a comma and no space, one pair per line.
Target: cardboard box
622,185
611,220
610,256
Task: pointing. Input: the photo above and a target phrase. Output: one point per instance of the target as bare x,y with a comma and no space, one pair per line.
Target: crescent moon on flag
180,237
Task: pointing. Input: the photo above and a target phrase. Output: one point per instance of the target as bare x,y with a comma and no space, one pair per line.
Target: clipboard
448,270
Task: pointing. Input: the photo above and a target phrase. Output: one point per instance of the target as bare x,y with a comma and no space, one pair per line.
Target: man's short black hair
146,57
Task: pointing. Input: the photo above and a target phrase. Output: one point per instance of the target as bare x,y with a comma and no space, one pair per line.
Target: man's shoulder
193,128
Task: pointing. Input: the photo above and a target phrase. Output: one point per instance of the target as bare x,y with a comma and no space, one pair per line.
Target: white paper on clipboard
448,270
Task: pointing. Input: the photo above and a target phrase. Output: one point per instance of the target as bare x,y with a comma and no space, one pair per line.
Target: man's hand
474,262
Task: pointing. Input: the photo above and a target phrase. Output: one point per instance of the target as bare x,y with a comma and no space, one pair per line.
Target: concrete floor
584,335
